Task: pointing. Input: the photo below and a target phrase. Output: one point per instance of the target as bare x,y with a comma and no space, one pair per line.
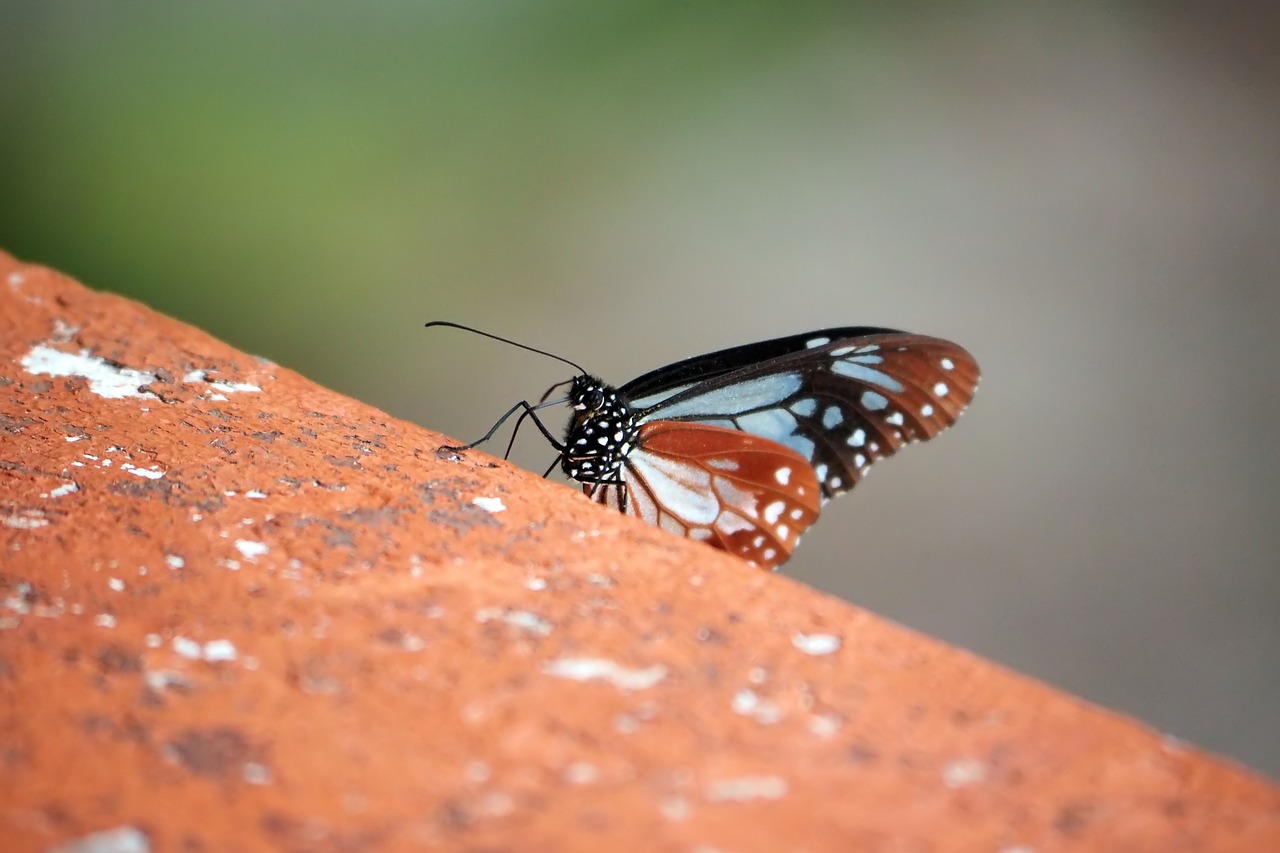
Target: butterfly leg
529,411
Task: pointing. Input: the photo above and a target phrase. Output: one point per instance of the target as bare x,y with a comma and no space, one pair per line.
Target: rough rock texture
239,611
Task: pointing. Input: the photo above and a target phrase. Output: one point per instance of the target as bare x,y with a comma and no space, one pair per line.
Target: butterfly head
600,434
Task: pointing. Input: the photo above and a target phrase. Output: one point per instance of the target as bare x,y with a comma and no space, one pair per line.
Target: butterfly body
740,448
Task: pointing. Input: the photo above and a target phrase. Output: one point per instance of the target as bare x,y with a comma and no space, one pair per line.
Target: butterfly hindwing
743,493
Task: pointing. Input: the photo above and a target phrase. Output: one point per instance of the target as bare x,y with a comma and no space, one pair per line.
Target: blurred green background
1087,195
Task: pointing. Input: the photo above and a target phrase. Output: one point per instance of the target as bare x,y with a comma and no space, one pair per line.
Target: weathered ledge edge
238,611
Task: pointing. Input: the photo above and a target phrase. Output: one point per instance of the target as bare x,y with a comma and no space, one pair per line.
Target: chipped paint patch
62,491
592,669
489,504
25,519
192,376
524,619
105,379
816,644
744,788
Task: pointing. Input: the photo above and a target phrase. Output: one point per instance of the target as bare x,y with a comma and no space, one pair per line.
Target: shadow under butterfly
741,448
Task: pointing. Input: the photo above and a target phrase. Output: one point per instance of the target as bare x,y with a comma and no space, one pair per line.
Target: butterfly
741,448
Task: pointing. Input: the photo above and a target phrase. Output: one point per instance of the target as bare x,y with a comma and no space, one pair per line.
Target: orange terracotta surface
239,611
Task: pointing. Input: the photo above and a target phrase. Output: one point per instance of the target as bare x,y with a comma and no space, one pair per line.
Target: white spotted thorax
600,434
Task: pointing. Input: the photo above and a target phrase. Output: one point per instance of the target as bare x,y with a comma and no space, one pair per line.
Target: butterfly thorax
600,434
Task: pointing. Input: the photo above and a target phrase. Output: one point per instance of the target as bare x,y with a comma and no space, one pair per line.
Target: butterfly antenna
507,341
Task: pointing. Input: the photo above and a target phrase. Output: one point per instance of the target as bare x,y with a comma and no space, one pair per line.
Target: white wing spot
832,417
773,510
817,342
940,389
895,418
769,553
783,532
843,351
723,464
835,482
797,514
782,475
860,460
948,364
758,541
873,401
858,438
821,471
926,410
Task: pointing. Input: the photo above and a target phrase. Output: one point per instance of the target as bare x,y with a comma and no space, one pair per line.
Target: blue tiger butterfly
741,448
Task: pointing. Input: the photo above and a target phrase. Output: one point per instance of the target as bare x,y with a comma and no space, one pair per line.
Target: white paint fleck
581,773
153,641
174,561
675,808
63,490
964,772
747,703
105,380
782,475
742,788
116,584
255,494
122,839
251,550
825,725
489,504
219,650
71,438
523,619
816,644
591,669
213,651
150,474
256,774
187,648
535,584
105,620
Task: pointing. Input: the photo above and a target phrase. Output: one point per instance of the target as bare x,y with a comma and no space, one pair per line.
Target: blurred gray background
1085,194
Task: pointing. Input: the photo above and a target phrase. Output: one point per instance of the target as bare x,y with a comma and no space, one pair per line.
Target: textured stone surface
240,611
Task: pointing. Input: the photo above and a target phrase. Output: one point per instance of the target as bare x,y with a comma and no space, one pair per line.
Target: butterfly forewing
840,398
745,494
